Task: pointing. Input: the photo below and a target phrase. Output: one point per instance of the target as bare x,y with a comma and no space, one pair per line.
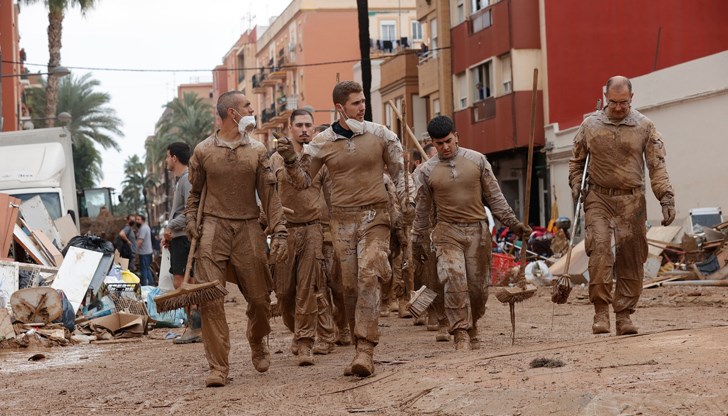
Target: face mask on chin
246,123
356,126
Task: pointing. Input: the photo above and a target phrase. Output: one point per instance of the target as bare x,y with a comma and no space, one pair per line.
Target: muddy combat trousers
616,243
361,243
463,268
300,282
332,273
426,273
240,245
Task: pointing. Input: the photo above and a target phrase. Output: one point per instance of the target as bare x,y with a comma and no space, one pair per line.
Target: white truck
40,162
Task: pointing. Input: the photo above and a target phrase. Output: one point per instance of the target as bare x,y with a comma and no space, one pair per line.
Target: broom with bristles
522,291
191,293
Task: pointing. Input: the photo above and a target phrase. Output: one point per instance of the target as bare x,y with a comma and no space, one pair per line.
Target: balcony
258,86
483,110
428,74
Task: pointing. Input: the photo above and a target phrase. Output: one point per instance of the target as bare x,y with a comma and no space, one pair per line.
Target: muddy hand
284,147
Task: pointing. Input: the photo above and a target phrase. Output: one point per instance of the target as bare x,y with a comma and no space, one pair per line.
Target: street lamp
57,71
63,117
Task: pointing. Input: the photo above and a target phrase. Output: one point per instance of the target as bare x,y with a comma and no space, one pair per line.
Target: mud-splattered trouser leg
333,279
361,242
325,327
238,244
462,265
616,244
296,280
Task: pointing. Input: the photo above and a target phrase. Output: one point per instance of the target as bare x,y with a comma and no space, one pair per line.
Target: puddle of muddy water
17,361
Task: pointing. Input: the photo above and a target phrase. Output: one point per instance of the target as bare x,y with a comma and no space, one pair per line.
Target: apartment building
434,69
10,68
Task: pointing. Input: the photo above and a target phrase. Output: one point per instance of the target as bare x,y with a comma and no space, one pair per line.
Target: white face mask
356,126
246,124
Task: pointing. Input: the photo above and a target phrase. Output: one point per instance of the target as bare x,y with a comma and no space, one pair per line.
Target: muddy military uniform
232,173
455,189
614,206
300,279
360,222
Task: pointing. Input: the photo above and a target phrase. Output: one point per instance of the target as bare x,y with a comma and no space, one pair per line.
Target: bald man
619,141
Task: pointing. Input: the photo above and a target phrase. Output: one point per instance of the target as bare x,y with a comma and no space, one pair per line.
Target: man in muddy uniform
230,168
300,282
356,153
455,183
619,140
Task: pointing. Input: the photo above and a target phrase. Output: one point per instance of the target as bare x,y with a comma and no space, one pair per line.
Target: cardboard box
120,321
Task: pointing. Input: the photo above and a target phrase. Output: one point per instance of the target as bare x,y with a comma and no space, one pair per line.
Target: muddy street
675,366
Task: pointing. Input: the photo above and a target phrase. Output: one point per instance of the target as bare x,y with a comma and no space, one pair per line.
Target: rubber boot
462,341
323,347
305,355
194,331
601,318
402,308
421,320
344,337
260,356
363,364
625,325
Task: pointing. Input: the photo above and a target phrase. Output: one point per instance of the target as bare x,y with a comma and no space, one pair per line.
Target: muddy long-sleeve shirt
307,204
618,151
355,165
456,188
233,173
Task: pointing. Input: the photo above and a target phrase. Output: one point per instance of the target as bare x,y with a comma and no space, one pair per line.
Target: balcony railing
484,109
267,114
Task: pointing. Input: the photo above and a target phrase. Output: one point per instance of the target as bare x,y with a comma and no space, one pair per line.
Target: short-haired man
356,153
230,168
619,141
145,250
175,237
300,281
128,238
455,183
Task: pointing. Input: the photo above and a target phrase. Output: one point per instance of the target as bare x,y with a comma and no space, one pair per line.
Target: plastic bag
90,242
68,316
170,319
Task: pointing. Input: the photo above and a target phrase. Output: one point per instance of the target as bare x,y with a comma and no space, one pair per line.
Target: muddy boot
260,356
625,325
442,335
462,341
347,371
194,331
294,346
421,320
344,337
393,306
323,348
363,364
402,308
432,324
215,379
474,340
305,355
601,318
384,310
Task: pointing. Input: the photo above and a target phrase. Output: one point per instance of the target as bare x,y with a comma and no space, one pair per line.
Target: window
460,12
433,32
436,106
479,4
482,80
388,30
416,30
482,21
461,81
506,71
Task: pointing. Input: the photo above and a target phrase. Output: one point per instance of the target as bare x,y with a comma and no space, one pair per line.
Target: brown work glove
193,231
521,229
668,214
575,191
279,247
285,149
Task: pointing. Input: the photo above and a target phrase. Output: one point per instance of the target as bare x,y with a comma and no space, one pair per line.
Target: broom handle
193,244
577,211
529,171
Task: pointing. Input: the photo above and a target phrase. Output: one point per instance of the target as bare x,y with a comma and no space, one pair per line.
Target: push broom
190,293
522,291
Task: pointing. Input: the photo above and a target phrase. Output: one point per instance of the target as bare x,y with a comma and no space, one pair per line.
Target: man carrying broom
226,170
455,183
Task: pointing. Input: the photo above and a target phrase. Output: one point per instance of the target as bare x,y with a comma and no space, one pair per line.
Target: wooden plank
661,235
6,228
5,209
66,228
48,246
27,243
75,274
659,280
37,217
6,326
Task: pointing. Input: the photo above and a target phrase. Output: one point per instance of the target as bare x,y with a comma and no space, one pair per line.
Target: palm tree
56,13
136,183
93,123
